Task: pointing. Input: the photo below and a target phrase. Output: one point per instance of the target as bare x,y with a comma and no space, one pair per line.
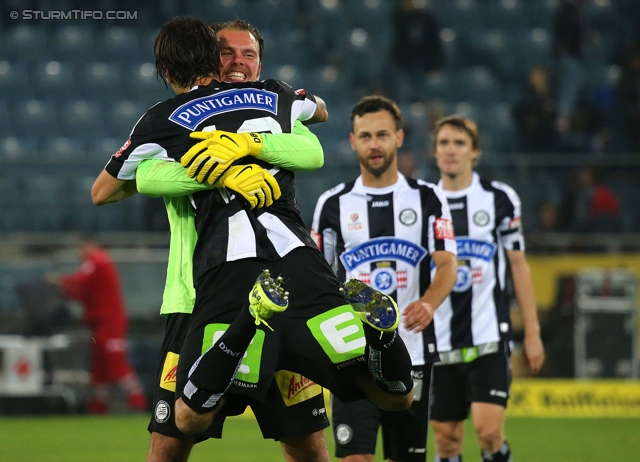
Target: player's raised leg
212,373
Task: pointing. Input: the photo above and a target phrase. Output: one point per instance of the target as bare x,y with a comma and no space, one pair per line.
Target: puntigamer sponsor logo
191,114
383,249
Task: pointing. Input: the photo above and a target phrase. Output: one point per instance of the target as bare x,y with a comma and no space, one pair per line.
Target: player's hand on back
253,183
217,151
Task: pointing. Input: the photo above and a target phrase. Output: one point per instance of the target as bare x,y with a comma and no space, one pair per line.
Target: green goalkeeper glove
253,183
208,159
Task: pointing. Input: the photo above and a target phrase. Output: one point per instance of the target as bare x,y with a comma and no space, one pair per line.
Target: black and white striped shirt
227,229
486,219
385,237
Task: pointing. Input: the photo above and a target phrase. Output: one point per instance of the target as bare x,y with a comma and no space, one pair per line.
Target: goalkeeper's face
239,56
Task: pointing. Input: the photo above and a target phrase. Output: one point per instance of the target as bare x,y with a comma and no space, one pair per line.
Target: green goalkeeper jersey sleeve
158,178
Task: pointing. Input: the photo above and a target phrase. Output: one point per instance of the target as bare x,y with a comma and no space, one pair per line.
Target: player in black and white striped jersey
235,243
473,327
388,231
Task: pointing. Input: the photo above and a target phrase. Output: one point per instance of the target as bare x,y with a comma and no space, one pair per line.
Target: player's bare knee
490,438
189,421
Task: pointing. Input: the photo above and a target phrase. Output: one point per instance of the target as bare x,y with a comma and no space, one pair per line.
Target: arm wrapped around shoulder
253,183
209,158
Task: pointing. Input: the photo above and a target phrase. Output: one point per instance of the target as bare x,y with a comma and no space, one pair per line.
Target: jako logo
380,204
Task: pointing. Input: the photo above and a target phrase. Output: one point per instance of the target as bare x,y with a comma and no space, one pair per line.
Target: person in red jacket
96,285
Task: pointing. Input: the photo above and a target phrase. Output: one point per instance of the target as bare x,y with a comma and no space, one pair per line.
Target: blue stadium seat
13,75
102,81
35,117
25,43
144,86
101,148
18,148
122,116
459,14
504,14
498,122
74,43
83,118
63,149
5,118
55,80
42,197
120,44
476,85
224,10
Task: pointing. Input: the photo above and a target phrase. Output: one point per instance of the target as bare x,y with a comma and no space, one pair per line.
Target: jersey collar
400,182
475,181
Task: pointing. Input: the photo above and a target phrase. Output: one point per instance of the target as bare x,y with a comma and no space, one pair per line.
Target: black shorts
287,411
455,386
318,335
404,433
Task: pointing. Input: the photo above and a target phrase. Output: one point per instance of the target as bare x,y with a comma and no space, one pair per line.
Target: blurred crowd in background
553,84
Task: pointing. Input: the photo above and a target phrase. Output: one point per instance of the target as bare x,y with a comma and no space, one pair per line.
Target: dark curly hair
186,48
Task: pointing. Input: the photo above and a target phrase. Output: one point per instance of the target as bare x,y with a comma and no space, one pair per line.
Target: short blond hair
461,123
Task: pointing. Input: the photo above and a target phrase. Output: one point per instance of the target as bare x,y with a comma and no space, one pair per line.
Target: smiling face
376,139
454,152
239,56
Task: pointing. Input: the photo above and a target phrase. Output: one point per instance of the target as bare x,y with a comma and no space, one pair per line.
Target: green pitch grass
124,438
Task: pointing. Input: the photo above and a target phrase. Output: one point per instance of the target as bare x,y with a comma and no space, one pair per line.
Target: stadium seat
36,117
83,118
503,14
224,10
55,80
47,212
459,14
122,116
476,85
120,44
101,148
15,74
144,86
63,149
74,43
25,43
5,116
17,148
102,81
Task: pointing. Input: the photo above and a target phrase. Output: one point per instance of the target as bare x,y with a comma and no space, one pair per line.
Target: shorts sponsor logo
340,334
317,412
295,388
162,412
169,370
196,111
383,249
344,434
408,217
249,369
443,229
481,218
